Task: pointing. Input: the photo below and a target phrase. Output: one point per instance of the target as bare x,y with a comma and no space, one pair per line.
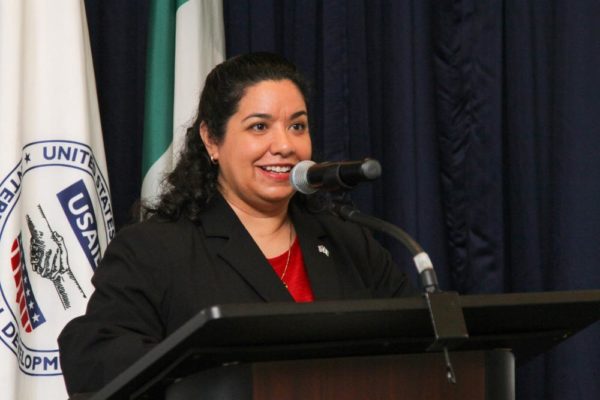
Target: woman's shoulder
156,230
150,245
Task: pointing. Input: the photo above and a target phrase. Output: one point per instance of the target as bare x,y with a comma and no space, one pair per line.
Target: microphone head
371,169
299,177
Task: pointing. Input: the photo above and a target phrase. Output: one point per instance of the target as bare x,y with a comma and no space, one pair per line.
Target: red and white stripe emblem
15,261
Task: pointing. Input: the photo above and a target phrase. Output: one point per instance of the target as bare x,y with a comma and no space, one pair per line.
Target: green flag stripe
160,76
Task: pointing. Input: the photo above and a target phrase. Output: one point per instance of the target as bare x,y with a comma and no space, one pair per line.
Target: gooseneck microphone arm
422,261
444,308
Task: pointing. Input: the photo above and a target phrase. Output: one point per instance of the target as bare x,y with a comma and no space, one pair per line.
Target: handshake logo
50,259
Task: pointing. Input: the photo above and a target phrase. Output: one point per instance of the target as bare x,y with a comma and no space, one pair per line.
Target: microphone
307,176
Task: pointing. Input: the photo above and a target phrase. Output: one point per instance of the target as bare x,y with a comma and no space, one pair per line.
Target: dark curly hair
189,187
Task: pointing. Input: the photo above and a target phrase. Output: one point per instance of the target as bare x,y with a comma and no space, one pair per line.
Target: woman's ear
209,143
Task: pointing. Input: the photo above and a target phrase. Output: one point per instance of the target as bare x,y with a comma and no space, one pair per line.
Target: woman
229,229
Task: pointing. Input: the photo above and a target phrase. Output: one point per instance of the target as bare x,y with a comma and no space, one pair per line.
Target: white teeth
277,169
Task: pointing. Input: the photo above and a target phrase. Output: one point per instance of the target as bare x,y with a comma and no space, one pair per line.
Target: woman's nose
281,143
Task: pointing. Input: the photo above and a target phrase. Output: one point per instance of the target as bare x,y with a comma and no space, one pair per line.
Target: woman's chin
278,195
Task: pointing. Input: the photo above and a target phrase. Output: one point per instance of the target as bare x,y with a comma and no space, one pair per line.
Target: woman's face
263,140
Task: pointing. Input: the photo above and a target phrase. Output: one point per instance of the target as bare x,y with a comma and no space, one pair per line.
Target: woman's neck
271,230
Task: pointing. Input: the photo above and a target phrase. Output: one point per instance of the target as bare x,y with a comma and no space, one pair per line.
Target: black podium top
527,323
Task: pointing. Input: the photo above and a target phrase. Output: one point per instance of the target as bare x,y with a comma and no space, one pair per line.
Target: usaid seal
55,221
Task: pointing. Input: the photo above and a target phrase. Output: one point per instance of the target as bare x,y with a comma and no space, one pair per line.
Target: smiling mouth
278,169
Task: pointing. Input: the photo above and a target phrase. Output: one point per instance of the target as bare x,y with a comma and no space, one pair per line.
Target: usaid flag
55,211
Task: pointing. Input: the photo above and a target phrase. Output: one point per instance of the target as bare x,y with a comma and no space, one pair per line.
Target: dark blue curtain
118,39
485,115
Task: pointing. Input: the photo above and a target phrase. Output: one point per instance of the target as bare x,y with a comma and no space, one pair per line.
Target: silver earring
212,160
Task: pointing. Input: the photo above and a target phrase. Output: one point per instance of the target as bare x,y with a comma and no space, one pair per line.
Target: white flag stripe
151,184
199,47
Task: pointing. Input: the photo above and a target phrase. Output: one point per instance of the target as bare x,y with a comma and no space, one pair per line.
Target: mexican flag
55,209
185,41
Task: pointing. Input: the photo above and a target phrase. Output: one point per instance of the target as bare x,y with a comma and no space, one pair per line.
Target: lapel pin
323,249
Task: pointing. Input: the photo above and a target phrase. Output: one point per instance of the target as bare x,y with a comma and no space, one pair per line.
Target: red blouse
296,278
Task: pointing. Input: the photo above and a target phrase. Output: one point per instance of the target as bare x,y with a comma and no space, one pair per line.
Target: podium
359,349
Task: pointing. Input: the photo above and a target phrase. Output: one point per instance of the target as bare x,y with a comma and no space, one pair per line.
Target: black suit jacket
156,275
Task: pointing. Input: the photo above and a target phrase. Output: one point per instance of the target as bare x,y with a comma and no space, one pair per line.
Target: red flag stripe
15,254
17,276
24,318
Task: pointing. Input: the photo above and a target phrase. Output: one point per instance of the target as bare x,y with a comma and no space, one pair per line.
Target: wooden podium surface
526,323
480,376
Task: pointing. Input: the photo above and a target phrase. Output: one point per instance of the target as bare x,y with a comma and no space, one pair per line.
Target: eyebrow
269,116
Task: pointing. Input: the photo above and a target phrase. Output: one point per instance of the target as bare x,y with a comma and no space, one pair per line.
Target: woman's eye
298,126
259,127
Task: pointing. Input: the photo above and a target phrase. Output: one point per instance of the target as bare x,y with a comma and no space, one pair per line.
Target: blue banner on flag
77,205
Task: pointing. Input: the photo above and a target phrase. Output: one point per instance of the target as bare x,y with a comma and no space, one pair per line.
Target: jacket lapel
239,251
318,259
